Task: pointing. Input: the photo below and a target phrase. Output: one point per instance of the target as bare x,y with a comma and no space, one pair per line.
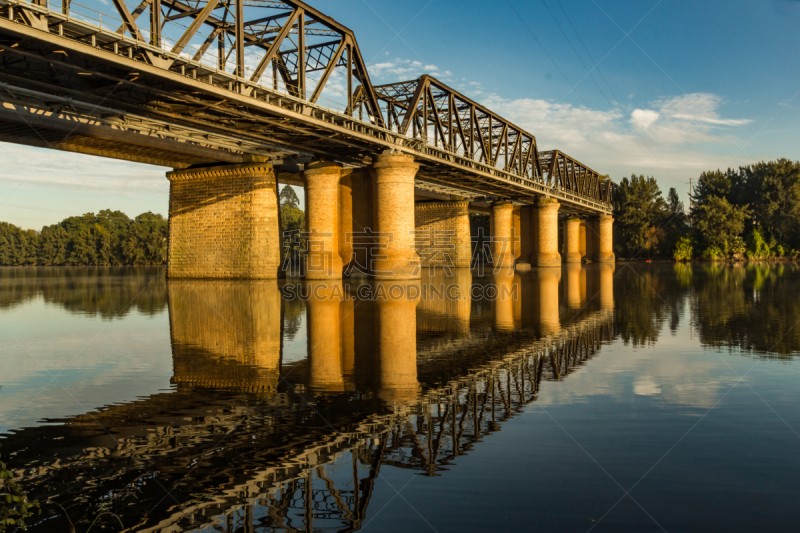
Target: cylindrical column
323,260
395,256
546,234
582,240
462,253
605,239
345,222
501,228
526,224
397,341
443,234
572,231
591,239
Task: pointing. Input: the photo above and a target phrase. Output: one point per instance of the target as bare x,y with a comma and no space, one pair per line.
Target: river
588,398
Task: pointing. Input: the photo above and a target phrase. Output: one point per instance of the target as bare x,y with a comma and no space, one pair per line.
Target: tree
53,246
729,185
675,226
134,246
718,222
288,197
683,249
639,212
109,238
775,197
293,222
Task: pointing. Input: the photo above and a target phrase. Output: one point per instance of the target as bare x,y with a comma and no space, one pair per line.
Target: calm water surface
635,398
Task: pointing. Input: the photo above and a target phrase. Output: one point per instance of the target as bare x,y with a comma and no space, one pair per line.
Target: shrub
758,247
713,253
683,250
737,247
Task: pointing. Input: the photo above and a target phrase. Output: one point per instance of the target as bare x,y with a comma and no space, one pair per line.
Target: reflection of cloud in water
646,386
689,377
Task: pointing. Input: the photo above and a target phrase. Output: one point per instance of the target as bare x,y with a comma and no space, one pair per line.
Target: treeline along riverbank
752,212
108,238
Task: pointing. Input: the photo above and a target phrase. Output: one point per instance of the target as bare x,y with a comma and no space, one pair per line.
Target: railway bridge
237,96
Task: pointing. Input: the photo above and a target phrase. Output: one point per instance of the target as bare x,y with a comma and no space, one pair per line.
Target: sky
665,88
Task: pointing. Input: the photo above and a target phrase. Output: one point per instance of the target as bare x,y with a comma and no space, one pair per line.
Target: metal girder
288,41
566,173
459,125
473,148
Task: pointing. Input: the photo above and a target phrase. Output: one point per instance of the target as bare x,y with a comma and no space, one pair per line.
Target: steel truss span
184,82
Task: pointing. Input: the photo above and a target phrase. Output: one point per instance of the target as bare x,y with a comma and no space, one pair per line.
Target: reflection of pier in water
377,391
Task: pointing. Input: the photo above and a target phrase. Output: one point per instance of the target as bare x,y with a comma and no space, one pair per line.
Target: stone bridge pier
224,223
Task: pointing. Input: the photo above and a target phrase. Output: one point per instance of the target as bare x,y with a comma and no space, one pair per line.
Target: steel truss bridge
183,83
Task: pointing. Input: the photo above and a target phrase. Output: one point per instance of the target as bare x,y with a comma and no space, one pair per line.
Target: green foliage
775,191
293,222
757,246
15,507
713,252
718,221
288,197
683,249
108,238
675,227
752,309
729,185
639,212
737,247
770,194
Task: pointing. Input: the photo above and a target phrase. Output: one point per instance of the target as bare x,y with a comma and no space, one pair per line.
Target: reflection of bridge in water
247,440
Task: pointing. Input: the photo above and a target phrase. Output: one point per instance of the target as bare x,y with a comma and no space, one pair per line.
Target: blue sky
667,88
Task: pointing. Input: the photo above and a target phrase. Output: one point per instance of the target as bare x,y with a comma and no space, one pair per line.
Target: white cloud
660,140
697,107
52,169
405,69
643,118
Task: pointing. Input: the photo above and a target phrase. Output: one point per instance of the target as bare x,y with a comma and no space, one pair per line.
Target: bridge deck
161,105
